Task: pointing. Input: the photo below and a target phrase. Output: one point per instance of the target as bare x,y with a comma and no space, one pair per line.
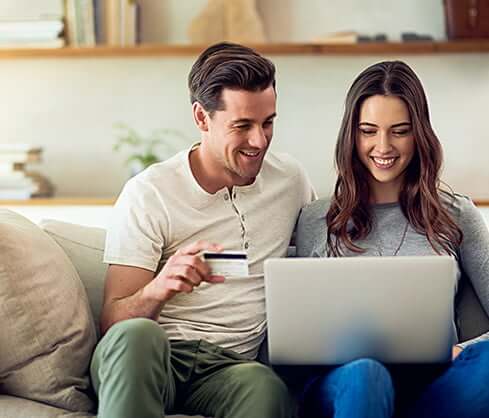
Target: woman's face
385,145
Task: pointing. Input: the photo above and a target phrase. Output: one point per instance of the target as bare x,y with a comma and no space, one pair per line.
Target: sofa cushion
85,248
47,334
13,407
472,320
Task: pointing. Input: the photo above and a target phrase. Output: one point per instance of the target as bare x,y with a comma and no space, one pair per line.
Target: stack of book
15,181
31,24
111,22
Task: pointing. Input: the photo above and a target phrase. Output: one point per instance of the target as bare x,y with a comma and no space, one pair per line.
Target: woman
388,201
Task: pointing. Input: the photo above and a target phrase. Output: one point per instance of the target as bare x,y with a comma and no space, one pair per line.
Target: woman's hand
456,350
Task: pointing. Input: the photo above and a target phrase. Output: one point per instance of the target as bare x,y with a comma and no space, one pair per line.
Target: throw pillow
47,335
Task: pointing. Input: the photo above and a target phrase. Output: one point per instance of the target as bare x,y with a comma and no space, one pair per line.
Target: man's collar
202,198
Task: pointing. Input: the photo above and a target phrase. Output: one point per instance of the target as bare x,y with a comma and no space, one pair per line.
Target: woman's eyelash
372,132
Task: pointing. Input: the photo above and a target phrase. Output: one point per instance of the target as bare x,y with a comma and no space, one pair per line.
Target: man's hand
182,272
456,350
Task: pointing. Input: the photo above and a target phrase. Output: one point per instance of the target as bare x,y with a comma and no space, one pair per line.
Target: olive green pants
138,373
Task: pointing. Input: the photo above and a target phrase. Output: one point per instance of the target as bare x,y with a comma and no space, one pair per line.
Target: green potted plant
159,145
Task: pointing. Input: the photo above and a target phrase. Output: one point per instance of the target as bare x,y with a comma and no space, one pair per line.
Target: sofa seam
74,242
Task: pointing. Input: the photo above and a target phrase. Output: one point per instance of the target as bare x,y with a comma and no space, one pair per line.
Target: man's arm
123,296
133,292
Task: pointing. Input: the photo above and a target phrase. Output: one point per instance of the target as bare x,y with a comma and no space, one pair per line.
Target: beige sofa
84,247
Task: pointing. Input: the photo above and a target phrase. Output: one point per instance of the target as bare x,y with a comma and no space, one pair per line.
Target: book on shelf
71,24
80,22
19,148
129,23
21,157
98,13
28,37
11,168
31,10
86,15
112,20
34,182
121,22
45,28
16,194
33,44
27,24
16,182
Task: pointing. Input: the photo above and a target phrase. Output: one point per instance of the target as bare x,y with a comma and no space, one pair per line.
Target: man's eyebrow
242,120
246,120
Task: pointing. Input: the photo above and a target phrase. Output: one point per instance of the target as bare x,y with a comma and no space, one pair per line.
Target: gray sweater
389,226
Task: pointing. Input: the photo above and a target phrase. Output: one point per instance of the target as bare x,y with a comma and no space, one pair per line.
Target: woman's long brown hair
422,201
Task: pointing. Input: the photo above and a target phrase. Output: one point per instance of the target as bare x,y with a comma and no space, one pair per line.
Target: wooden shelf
175,50
60,201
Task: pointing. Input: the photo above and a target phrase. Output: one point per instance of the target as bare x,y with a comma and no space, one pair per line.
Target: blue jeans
367,389
362,388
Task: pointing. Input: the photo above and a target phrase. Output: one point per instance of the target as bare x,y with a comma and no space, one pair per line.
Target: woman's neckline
385,205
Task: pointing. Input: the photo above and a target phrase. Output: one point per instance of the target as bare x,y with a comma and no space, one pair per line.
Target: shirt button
242,217
226,197
246,245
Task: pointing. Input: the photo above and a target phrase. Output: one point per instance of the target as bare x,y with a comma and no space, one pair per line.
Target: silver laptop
329,311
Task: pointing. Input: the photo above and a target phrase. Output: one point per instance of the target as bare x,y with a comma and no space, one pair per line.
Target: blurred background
77,106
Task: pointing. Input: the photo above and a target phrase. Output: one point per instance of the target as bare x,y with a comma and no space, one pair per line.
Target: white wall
69,106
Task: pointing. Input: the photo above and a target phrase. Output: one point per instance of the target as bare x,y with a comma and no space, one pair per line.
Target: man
179,339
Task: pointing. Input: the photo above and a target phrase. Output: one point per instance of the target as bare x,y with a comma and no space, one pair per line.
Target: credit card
227,263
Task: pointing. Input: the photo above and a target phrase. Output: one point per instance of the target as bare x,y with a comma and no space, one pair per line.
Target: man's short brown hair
228,65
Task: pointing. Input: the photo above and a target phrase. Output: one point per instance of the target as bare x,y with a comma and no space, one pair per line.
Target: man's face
238,136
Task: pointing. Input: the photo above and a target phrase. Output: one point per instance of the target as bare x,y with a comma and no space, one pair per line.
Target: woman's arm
474,255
